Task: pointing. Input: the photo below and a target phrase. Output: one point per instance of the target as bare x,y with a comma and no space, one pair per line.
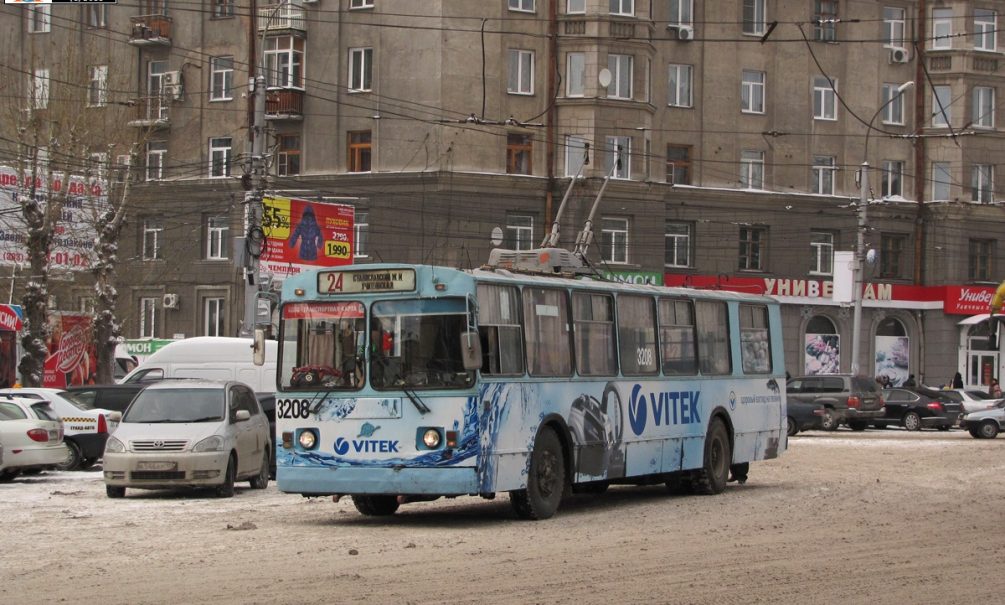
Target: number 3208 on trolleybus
402,383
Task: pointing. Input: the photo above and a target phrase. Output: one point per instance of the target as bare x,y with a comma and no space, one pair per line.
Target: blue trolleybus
402,383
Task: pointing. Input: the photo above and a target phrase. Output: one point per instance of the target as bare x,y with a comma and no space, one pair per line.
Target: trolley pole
255,238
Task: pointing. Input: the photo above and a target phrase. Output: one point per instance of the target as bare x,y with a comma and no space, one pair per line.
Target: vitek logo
366,446
668,408
637,414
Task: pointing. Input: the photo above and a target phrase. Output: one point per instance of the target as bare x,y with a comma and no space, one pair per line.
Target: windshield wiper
416,400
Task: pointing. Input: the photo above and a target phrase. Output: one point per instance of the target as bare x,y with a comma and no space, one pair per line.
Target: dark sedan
917,408
804,416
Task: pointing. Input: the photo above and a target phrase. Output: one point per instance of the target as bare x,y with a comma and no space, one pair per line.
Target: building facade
733,134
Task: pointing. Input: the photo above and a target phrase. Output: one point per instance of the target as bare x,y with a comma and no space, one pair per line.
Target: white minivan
210,358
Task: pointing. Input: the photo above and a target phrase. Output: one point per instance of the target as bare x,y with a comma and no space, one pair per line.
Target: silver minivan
189,433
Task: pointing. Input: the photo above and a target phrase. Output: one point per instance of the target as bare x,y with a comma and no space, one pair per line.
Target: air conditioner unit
171,81
685,33
898,55
170,301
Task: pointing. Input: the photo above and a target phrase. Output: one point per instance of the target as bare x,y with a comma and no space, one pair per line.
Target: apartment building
732,133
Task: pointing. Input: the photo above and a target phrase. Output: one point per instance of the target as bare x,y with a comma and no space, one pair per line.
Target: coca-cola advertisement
72,357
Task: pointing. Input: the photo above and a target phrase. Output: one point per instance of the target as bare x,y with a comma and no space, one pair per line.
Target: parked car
917,408
114,397
190,433
985,424
85,428
32,437
803,416
846,399
972,400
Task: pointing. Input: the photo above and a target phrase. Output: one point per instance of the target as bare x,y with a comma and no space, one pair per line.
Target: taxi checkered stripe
77,419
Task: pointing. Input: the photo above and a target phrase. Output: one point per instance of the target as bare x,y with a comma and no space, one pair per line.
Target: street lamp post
863,207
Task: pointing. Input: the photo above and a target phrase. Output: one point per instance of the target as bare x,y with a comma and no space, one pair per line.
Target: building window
753,240
824,98
219,157
752,169
575,7
893,178
361,230
217,231
519,148
97,85
982,253
983,107
519,232
681,13
575,155
221,78
942,28
366,3
157,108
679,164
360,69
678,245
288,155
619,150
521,72
39,19
985,29
40,89
894,26
822,252
614,240
284,62
942,109
753,17
679,86
621,76
360,151
148,318
752,92
623,7
223,8
891,254
97,16
526,6
893,108
825,20
156,153
982,186
214,316
575,76
152,231
823,174
941,180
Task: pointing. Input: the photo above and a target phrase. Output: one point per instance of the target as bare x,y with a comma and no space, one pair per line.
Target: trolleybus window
677,337
637,335
593,317
426,350
755,345
546,331
499,329
321,345
713,337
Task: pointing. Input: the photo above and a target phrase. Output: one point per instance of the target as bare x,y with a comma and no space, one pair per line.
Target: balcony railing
151,112
284,104
280,17
150,30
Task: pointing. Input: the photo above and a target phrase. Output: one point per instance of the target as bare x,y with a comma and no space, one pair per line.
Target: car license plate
156,466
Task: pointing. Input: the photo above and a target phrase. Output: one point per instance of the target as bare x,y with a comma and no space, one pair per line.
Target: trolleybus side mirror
259,348
471,350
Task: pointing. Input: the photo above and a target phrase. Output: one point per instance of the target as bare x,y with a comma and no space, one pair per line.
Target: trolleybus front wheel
545,481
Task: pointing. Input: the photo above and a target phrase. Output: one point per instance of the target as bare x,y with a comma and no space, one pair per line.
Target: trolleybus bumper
370,480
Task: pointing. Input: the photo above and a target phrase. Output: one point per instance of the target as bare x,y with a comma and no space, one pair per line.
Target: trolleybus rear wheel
376,506
712,477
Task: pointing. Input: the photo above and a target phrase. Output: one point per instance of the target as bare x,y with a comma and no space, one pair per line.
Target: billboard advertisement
300,235
74,237
72,357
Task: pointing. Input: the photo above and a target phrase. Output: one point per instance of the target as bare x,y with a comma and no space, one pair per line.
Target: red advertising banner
968,300
72,357
300,235
333,310
10,317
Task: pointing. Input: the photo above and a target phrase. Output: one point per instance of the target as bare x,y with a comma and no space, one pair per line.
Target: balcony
281,18
150,30
151,112
284,104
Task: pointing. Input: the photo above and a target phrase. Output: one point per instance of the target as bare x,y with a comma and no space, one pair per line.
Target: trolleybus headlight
308,439
431,438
